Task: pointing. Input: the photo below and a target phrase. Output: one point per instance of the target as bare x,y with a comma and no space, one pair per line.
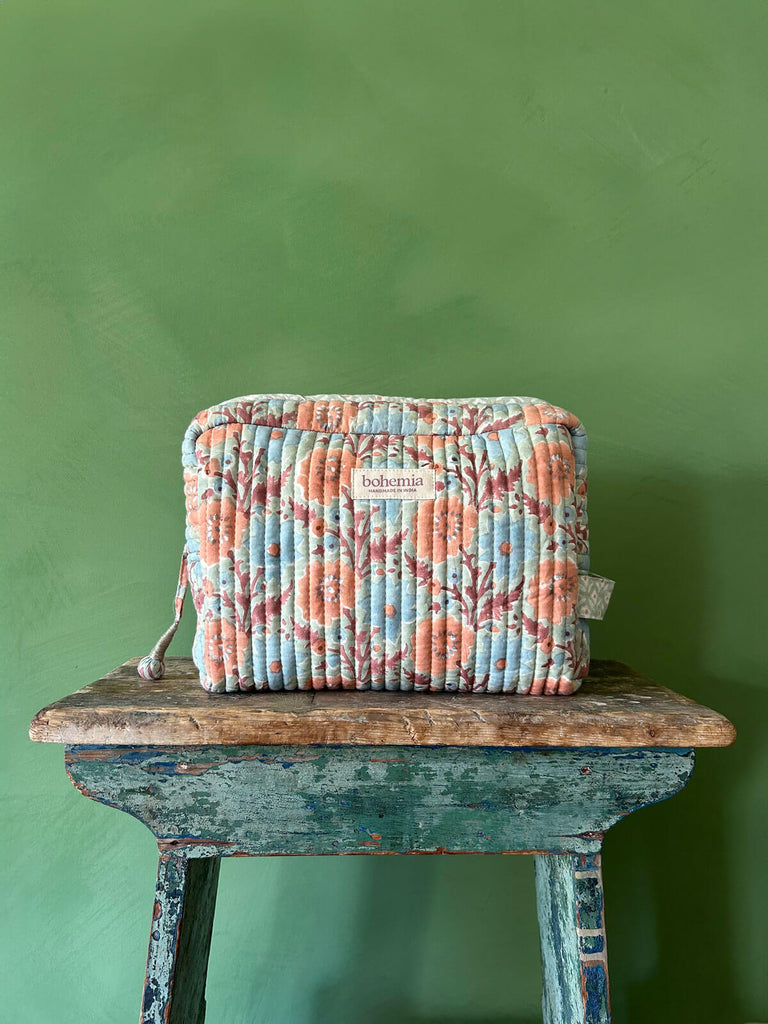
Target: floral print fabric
299,586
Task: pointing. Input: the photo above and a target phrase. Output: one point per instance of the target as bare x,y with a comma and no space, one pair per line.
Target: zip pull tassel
152,667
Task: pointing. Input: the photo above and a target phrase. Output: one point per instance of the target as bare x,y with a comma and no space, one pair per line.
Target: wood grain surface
615,707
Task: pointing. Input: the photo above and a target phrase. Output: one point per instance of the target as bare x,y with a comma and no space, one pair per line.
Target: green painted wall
203,199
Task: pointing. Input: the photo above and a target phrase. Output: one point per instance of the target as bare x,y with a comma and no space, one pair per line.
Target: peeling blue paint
313,800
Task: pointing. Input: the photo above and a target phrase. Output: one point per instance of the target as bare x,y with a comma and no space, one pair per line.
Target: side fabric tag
594,595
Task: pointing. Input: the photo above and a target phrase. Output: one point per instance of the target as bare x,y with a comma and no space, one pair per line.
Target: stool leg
569,893
182,922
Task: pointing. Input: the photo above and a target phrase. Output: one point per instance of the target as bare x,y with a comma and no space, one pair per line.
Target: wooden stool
341,772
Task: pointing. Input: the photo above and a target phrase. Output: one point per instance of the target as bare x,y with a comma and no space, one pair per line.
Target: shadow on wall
667,868
667,871
455,940
440,932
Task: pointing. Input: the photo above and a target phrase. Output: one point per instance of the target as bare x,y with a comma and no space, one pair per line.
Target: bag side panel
553,456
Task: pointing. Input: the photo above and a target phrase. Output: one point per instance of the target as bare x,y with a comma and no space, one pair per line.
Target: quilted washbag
360,542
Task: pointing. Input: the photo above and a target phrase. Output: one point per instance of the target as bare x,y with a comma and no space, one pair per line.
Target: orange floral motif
219,535
549,526
219,434
325,594
442,642
319,471
220,655
558,582
326,417
190,497
543,412
443,522
555,464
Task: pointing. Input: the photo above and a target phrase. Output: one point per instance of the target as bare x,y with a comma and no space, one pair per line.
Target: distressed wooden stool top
615,707
267,774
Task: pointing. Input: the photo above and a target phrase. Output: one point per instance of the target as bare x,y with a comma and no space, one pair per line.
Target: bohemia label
403,484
